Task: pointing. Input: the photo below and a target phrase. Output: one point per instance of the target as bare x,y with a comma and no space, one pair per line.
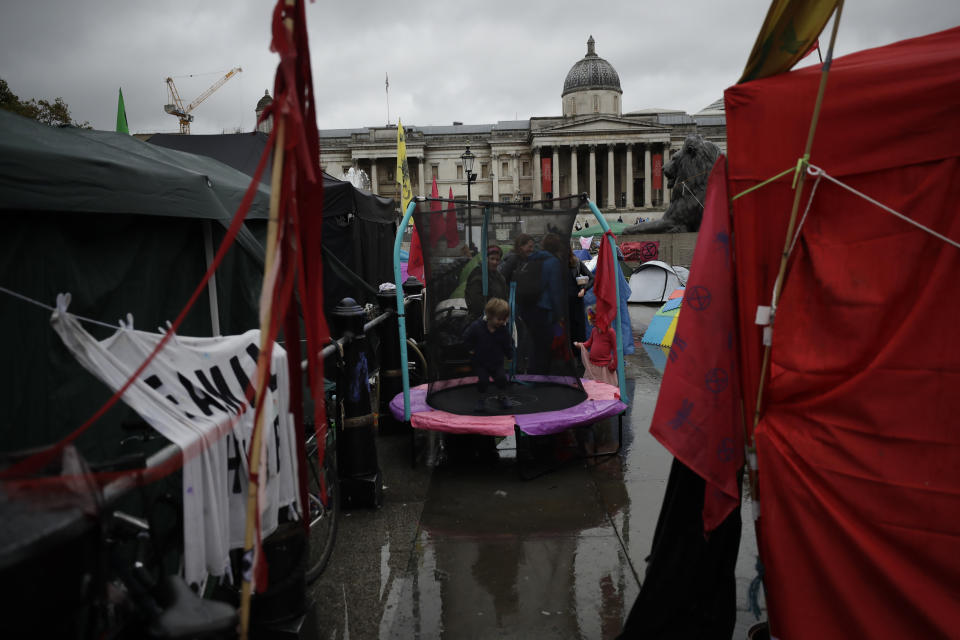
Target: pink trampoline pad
603,401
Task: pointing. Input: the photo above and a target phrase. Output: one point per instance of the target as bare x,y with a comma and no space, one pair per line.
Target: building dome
264,102
592,72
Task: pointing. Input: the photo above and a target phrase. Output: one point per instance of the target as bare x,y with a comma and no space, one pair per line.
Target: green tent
124,227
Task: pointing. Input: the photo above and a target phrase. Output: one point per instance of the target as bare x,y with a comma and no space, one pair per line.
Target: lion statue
686,175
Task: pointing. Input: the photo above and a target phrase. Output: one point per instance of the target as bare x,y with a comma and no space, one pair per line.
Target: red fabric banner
437,227
657,176
546,175
697,415
452,233
415,261
857,443
605,284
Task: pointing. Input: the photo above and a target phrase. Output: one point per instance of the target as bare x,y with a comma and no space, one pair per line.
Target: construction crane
175,106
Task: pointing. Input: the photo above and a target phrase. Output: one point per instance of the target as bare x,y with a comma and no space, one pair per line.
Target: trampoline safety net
520,253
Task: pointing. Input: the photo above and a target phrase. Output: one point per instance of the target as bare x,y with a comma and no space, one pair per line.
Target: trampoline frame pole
401,308
483,255
621,374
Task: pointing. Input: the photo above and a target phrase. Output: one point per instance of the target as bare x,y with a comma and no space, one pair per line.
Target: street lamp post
468,159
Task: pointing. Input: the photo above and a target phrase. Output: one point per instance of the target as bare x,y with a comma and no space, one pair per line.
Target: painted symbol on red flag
697,297
725,450
680,418
717,380
649,251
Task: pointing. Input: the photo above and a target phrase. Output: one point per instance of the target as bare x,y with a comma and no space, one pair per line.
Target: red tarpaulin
858,445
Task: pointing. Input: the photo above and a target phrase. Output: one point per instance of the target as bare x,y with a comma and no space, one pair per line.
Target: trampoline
543,394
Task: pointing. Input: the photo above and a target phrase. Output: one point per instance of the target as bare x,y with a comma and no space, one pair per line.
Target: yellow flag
403,171
789,30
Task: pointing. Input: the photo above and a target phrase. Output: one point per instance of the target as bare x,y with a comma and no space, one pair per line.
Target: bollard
391,382
361,481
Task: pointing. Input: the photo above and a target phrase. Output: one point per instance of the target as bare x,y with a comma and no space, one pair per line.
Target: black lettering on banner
276,439
242,378
155,383
221,390
234,462
200,397
254,352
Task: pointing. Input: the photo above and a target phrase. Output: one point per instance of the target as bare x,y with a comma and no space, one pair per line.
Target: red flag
436,216
697,415
453,234
415,261
605,285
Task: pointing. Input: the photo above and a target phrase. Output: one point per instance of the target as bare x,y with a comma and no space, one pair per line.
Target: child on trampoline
490,344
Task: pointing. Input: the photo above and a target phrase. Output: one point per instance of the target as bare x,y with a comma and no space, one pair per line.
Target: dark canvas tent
358,229
120,224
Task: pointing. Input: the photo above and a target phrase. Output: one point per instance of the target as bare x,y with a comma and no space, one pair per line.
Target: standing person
496,284
581,280
523,247
490,344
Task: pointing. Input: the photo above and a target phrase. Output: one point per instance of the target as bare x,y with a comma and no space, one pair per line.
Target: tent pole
798,191
212,283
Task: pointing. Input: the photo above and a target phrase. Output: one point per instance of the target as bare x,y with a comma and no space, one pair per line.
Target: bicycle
323,514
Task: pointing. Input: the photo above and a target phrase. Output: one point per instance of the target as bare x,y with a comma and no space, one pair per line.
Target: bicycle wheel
324,515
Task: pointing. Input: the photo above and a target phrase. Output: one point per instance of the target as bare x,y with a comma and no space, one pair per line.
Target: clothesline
52,309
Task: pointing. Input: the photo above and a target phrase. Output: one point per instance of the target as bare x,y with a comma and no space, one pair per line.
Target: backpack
528,275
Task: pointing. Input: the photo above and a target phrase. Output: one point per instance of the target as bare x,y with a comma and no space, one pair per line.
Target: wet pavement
465,548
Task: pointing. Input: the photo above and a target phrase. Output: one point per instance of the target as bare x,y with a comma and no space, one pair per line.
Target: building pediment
601,124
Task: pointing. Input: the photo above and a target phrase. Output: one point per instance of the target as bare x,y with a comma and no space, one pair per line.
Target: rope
51,309
803,218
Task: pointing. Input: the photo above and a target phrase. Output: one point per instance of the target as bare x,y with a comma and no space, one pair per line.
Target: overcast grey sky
476,63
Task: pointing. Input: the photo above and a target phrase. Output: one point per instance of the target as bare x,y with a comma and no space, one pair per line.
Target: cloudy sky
476,63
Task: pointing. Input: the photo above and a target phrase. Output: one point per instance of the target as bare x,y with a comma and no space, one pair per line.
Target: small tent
124,227
653,281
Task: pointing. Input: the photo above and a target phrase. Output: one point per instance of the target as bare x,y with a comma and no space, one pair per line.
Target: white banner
189,393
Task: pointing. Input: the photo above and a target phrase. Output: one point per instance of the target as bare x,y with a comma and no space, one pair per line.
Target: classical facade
594,147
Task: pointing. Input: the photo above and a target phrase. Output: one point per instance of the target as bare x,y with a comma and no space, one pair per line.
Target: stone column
516,174
629,175
422,166
495,176
555,172
537,191
593,173
647,192
666,159
611,179
374,182
573,170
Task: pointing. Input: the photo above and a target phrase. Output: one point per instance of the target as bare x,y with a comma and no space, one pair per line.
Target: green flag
122,116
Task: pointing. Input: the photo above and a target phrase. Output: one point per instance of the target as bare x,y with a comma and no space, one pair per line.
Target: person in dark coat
496,284
490,344
581,281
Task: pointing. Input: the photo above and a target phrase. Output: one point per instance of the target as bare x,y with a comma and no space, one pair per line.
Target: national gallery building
594,147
